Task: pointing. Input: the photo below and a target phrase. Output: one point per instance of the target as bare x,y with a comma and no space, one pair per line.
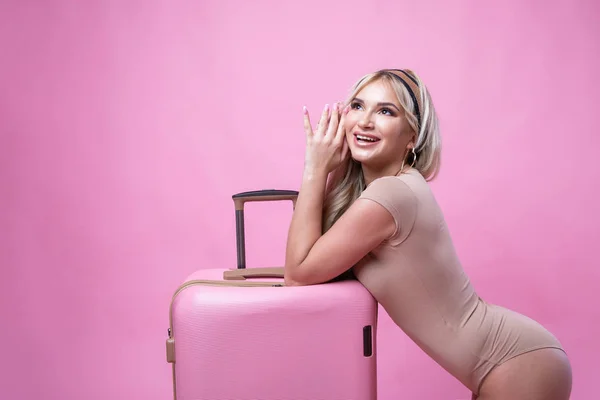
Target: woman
365,207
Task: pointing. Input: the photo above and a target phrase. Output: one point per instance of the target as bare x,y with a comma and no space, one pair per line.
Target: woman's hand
326,147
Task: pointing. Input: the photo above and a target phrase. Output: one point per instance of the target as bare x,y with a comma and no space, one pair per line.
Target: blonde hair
347,182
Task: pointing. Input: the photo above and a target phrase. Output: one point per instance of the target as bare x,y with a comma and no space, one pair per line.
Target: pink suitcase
240,334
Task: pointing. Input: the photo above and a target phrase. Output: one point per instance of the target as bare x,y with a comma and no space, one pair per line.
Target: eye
387,111
354,105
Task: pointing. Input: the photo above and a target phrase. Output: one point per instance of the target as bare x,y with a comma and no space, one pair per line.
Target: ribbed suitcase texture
256,339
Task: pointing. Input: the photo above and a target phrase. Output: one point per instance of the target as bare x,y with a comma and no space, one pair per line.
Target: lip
365,144
365,135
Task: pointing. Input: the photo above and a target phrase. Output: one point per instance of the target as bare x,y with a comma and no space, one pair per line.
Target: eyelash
353,106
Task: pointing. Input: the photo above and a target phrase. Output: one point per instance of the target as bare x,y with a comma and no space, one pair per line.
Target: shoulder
391,190
397,197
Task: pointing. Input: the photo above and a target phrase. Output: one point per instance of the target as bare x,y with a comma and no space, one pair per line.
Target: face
377,131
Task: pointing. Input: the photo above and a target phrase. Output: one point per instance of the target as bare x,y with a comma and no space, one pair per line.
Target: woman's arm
363,227
306,226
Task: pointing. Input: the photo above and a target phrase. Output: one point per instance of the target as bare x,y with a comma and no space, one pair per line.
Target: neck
370,173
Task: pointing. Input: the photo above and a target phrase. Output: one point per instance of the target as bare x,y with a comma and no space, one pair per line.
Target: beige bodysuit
418,279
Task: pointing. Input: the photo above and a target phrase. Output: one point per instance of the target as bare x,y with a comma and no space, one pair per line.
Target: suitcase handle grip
263,195
240,199
243,274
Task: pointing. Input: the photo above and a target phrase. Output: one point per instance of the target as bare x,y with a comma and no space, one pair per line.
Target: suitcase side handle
240,199
243,274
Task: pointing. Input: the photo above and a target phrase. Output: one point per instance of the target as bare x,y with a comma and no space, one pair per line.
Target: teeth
368,139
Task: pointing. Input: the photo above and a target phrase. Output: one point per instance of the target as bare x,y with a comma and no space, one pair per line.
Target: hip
505,334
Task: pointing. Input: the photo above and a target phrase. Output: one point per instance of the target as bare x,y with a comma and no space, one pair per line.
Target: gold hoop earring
414,160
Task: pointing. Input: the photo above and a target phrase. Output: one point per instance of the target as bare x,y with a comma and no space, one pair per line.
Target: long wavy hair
346,183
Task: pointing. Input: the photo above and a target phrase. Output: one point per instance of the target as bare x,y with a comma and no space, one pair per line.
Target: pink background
126,126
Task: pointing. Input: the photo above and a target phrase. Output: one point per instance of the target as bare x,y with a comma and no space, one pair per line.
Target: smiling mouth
368,139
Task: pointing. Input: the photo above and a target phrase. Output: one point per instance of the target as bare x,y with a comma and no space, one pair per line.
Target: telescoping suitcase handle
239,200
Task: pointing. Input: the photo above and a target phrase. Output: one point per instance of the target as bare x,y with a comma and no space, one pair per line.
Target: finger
322,126
333,122
307,126
345,149
341,131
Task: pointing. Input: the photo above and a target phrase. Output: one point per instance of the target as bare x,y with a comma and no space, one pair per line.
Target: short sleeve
399,200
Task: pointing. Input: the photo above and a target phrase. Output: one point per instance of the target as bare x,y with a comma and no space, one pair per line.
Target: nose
365,121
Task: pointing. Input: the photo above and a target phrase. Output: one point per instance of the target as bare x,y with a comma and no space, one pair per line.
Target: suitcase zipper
170,340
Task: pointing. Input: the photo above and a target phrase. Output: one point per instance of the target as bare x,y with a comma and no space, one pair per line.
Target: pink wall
127,125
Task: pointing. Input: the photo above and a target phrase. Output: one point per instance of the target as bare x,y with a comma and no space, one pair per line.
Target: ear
412,141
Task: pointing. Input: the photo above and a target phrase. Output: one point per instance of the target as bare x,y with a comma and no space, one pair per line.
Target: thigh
543,374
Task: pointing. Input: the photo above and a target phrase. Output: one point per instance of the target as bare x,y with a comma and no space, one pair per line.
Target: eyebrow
378,104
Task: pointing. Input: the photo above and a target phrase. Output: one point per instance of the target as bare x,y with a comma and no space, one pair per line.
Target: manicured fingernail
305,110
326,107
346,109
